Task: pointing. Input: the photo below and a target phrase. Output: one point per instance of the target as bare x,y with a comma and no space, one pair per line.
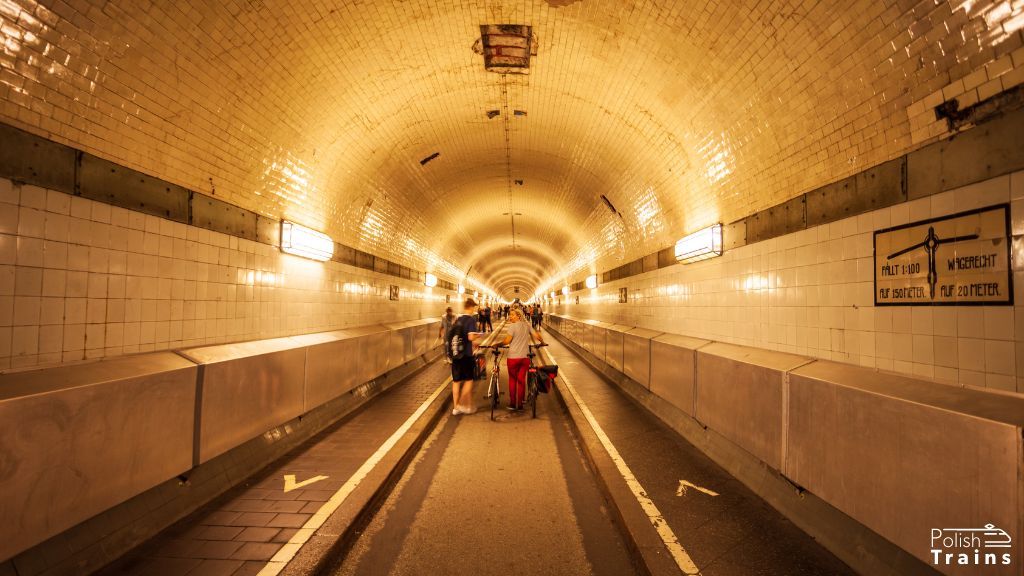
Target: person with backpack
538,315
447,319
518,340
459,341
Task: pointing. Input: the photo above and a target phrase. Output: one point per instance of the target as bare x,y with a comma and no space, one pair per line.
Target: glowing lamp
306,242
700,245
430,280
565,290
462,289
592,281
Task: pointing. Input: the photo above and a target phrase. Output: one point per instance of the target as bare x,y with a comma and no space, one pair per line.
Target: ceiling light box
700,245
306,242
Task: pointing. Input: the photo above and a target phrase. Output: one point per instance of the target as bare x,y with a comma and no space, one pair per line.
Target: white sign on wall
960,259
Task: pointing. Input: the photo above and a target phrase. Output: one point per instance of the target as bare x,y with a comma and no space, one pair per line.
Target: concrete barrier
247,388
76,440
614,345
409,339
586,336
900,456
93,427
674,370
740,396
904,457
331,366
636,355
374,355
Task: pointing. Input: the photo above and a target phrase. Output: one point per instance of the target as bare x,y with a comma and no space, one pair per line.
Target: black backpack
457,340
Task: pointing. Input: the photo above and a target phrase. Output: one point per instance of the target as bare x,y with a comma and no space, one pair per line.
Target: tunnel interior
830,192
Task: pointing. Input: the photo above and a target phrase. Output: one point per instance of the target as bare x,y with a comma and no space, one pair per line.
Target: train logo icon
971,546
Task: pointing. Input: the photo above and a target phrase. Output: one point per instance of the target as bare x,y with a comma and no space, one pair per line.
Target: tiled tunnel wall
83,279
810,292
771,98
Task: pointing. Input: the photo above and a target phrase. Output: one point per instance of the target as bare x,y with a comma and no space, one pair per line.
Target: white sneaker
470,410
456,411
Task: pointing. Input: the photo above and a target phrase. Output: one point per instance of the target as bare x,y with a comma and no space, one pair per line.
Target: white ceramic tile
33,197
99,235
999,357
31,222
922,320
1000,382
999,322
58,202
75,310
96,312
970,322
24,340
7,275
10,193
30,252
81,208
945,352
28,281
8,219
56,227
100,212
97,285
79,231
26,310
8,249
95,336
51,338
971,354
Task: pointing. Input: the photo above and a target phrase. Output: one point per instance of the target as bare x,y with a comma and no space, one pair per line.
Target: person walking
459,340
447,319
485,319
538,315
518,340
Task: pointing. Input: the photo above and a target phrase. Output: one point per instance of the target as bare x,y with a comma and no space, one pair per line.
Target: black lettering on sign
953,260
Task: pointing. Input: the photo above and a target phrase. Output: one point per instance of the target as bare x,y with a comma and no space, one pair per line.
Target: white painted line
276,564
685,484
676,549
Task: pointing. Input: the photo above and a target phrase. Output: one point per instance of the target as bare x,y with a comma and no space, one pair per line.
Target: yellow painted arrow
290,483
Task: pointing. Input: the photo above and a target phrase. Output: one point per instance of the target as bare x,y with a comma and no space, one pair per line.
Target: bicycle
494,384
533,374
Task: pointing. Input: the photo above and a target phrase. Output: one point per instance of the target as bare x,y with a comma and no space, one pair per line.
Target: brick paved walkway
237,533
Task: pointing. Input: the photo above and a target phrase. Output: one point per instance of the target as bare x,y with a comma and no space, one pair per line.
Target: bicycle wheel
493,390
531,393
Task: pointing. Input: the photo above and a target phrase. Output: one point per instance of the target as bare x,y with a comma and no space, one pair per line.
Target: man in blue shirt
463,333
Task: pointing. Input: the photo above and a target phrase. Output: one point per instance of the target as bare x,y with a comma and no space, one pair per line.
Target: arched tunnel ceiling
680,113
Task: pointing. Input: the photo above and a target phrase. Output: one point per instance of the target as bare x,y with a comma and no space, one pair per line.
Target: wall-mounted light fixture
592,281
565,290
306,242
700,245
462,289
430,280
552,295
